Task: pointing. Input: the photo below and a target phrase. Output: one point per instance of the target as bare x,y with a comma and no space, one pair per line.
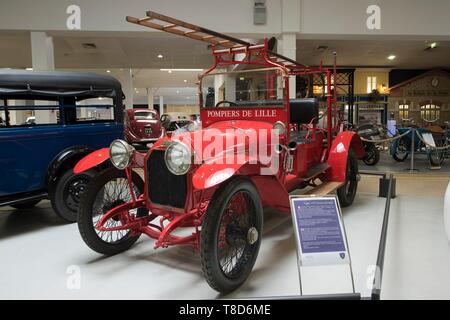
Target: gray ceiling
124,50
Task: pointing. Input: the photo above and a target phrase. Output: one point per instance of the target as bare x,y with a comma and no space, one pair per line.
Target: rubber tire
374,160
57,194
344,199
431,158
25,205
210,228
85,225
397,158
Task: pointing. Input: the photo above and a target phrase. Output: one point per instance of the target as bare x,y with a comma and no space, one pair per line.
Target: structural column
290,26
161,105
42,53
127,87
42,57
150,98
287,46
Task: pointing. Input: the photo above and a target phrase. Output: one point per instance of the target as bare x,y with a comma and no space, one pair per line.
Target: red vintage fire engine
208,188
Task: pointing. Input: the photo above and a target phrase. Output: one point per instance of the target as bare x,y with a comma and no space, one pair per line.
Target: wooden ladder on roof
161,22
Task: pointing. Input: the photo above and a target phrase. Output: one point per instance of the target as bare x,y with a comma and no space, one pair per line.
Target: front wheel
437,156
400,153
347,192
107,190
231,235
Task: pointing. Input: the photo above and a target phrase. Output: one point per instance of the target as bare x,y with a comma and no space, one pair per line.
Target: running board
316,171
24,198
325,188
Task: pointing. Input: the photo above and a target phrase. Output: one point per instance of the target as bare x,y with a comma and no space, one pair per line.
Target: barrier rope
431,146
404,134
388,139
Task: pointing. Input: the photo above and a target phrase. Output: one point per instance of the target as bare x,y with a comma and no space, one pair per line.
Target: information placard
319,231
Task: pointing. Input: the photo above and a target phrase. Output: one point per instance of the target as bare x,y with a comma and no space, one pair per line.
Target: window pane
145,115
31,112
92,110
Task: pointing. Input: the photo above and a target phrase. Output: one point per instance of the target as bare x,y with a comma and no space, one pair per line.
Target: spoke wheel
106,191
231,235
401,152
235,230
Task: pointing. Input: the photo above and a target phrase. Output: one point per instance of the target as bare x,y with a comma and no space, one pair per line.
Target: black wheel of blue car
231,235
347,192
107,190
65,194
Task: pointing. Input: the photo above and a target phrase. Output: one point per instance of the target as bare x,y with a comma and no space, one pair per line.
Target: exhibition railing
376,289
377,282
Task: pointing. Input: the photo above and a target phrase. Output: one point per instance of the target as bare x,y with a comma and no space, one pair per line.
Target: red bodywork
323,157
142,126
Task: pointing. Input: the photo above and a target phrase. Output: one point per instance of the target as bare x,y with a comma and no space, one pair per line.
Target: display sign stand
323,257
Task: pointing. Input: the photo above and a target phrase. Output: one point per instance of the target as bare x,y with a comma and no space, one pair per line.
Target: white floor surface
38,255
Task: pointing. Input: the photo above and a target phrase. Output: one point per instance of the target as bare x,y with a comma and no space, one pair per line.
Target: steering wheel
231,103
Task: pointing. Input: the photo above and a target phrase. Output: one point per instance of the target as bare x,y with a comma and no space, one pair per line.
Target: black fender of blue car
64,161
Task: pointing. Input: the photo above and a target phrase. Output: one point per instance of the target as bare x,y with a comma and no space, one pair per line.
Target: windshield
242,88
144,115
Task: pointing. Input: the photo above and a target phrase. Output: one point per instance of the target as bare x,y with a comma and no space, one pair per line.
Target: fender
337,159
67,156
213,172
91,160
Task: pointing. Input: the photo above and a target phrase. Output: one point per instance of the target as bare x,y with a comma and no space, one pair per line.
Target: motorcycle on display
368,132
436,136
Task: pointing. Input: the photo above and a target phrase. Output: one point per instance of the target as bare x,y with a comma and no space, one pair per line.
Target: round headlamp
120,154
178,158
279,128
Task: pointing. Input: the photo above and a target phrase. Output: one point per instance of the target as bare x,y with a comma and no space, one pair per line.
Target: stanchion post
412,149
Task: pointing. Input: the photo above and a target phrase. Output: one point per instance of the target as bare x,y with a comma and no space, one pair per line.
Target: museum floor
37,252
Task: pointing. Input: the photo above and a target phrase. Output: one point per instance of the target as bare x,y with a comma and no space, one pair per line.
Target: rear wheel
231,235
66,193
372,156
107,190
347,192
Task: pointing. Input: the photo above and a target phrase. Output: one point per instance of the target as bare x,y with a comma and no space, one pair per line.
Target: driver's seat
303,111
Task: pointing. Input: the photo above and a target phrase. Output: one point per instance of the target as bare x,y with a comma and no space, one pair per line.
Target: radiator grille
164,187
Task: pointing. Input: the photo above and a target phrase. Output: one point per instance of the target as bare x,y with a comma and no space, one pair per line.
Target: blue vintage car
49,121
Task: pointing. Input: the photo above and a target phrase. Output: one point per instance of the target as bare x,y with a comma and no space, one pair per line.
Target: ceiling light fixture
391,57
109,71
185,81
160,56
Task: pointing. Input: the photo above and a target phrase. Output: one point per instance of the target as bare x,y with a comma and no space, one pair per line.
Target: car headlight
279,128
120,154
178,158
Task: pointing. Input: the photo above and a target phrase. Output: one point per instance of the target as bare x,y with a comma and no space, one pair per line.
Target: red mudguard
337,159
91,160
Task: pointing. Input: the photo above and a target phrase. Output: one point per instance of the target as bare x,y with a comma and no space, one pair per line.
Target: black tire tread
85,225
210,220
